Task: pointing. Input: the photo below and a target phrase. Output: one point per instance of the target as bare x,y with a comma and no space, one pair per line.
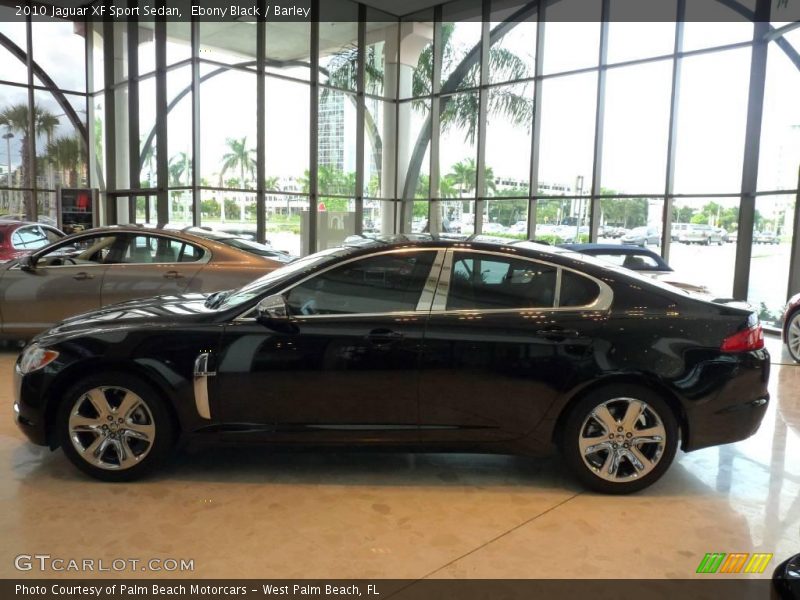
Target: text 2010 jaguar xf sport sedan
425,343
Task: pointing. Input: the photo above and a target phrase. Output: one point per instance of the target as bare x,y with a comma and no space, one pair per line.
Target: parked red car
791,327
18,238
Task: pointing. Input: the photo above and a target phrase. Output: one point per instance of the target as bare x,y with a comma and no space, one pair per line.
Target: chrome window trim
603,301
247,315
429,291
204,260
557,293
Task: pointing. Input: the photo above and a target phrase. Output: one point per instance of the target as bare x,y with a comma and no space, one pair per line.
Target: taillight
744,341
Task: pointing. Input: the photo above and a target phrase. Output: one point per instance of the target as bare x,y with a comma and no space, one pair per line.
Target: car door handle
382,337
557,333
83,276
173,275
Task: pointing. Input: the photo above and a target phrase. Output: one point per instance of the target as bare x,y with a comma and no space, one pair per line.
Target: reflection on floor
244,513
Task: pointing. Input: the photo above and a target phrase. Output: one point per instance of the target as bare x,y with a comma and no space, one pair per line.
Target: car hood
159,310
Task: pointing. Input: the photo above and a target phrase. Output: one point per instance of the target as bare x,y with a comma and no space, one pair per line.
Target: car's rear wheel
620,439
793,336
114,427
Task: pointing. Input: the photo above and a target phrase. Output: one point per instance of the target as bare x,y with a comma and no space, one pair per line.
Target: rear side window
376,284
577,290
482,282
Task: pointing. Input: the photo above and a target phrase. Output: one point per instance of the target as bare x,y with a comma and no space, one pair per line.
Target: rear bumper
735,412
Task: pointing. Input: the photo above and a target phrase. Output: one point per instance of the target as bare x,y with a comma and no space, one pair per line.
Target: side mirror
273,312
26,263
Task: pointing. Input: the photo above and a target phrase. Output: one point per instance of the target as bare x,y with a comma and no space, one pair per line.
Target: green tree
67,155
180,170
15,119
624,212
241,158
462,174
460,111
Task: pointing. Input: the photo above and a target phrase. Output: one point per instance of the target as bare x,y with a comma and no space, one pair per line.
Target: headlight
34,358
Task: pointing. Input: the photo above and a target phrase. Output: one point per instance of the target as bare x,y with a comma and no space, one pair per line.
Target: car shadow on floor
257,465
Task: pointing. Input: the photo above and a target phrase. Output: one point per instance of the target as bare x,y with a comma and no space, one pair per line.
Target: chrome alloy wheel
111,428
622,439
793,336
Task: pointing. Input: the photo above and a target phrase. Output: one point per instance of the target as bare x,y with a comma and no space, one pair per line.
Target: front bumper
30,418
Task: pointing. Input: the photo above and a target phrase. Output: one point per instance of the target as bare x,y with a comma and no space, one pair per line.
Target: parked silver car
103,266
696,233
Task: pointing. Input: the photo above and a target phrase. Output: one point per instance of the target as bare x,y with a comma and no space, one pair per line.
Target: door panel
33,301
66,281
499,347
343,377
149,265
350,370
493,376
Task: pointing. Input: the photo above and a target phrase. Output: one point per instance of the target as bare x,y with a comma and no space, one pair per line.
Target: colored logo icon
735,562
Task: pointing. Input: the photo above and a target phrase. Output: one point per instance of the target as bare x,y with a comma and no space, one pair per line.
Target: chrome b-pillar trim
201,375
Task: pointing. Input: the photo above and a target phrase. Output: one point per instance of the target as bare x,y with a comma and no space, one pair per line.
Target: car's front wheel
114,427
793,336
619,439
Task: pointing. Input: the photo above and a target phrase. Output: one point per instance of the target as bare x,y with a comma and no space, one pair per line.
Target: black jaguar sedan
414,342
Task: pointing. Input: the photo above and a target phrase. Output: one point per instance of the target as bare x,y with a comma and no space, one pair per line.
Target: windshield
260,285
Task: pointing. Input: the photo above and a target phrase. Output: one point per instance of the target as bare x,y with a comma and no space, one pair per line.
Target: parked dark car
422,343
791,327
18,238
786,579
765,237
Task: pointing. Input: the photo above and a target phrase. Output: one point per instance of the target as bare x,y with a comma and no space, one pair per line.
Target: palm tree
461,110
67,154
179,167
462,176
15,119
240,157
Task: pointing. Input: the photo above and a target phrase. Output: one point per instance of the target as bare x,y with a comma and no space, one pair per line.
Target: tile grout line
501,535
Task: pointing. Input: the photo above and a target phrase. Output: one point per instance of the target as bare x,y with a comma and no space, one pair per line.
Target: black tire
578,422
153,414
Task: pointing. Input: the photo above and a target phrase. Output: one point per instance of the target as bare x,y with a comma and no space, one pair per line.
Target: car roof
223,252
9,223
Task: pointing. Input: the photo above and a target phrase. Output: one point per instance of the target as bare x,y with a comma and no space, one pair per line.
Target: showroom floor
239,513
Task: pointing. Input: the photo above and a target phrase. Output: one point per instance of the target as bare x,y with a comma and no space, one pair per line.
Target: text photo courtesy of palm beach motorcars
361,294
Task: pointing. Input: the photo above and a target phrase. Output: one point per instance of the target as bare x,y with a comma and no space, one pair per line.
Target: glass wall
43,128
388,125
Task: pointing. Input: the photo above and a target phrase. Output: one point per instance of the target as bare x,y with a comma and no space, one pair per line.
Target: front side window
378,284
92,249
483,281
